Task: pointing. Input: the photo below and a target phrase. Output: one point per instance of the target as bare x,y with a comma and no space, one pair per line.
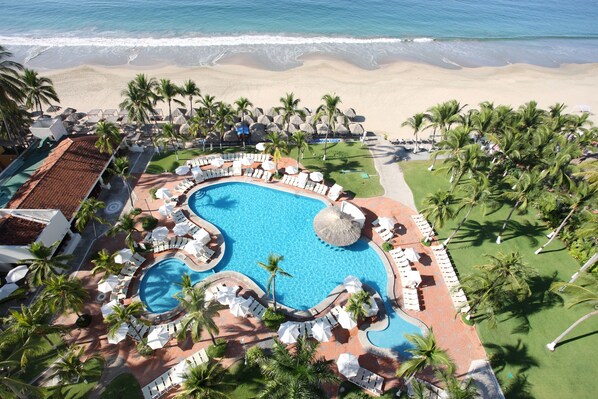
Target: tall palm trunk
274,292
416,150
169,113
585,267
555,233
504,225
551,346
446,242
175,145
325,144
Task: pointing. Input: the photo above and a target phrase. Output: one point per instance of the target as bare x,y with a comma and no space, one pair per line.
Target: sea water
277,34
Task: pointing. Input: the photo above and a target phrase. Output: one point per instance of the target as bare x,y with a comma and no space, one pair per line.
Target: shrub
387,246
273,319
152,193
149,223
253,354
425,242
136,211
218,350
143,349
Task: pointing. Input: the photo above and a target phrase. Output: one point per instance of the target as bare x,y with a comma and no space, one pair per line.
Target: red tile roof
64,179
19,231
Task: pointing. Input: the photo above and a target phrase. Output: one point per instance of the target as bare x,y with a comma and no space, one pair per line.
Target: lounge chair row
230,157
120,291
256,309
423,225
179,217
384,233
299,181
450,278
137,329
369,381
404,269
257,174
411,299
172,243
186,185
335,192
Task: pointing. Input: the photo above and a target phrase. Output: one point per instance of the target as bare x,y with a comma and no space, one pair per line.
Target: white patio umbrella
180,229
217,162
352,284
203,236
17,274
268,165
166,209
163,193
260,146
108,284
158,337
387,222
225,297
347,364
123,256
160,233
321,331
247,161
411,254
371,309
108,308
196,172
194,247
178,372
412,279
288,332
119,335
182,170
239,307
316,176
7,289
291,170
346,320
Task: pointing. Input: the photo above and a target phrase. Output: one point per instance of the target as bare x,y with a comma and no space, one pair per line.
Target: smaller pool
159,284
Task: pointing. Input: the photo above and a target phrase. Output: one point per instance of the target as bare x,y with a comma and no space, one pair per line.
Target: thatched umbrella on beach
231,135
307,128
324,119
264,119
307,111
322,128
184,129
257,111
278,119
273,127
336,228
296,120
356,128
179,120
271,112
342,129
257,126
248,120
178,112
350,113
312,120
258,135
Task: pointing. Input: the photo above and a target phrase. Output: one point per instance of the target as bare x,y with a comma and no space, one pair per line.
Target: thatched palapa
336,228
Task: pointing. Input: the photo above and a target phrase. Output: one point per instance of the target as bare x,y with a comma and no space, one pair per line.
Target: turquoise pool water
255,221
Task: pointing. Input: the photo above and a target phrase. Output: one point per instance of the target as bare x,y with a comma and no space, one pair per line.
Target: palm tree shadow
476,233
519,389
516,356
527,229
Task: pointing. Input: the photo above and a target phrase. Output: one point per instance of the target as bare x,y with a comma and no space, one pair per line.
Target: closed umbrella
119,334
108,308
316,176
268,165
182,170
348,365
180,229
17,274
346,320
387,222
123,256
217,162
260,146
166,209
160,233
411,254
320,331
158,337
239,307
7,289
288,332
108,284
291,170
163,193
247,161
352,284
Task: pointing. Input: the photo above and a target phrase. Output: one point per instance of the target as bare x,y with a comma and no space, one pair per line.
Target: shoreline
386,96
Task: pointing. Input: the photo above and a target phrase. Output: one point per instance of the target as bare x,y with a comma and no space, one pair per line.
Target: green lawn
246,380
45,355
345,164
518,343
123,386
82,389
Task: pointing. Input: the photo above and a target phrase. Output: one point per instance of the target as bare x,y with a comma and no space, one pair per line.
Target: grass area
345,163
522,363
123,386
246,380
80,390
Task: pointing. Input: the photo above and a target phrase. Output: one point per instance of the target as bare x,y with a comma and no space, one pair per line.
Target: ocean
278,34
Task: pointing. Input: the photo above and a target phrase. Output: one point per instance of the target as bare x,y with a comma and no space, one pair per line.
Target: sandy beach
385,96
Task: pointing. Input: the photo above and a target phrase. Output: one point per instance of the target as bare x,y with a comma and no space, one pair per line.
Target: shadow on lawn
476,233
519,388
516,356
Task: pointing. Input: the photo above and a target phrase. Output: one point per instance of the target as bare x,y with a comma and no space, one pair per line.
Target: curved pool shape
256,221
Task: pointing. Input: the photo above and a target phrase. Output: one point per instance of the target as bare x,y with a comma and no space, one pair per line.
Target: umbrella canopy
322,128
278,119
179,120
273,128
258,135
291,170
108,284
342,129
350,113
123,256
217,162
352,284
178,112
203,236
264,119
324,119
231,135
53,108
248,119
197,172
387,222
178,372
226,295
166,209
239,307
184,129
247,161
163,193
272,111
371,309
321,331
268,165
336,228
348,365
7,289
412,278
296,120
108,308
411,254
180,229
307,128
158,337
160,233
346,320
288,332
257,111
73,118
356,128
260,146
17,274
316,176
182,170
194,247
119,335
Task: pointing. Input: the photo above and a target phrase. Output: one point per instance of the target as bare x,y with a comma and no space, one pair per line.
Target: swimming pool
255,221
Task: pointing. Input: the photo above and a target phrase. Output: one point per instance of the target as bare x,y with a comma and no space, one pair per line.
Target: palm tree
438,208
11,92
198,126
243,105
356,304
108,137
189,89
69,368
123,314
417,123
209,104
576,294
425,354
300,140
11,385
471,160
43,263
276,146
330,109
170,135
63,294
296,373
455,140
139,99
126,225
186,284
120,167
205,381
444,115
289,108
89,212
530,116
224,118
167,91
200,314
274,269
459,389
523,191
30,322
38,90
104,263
